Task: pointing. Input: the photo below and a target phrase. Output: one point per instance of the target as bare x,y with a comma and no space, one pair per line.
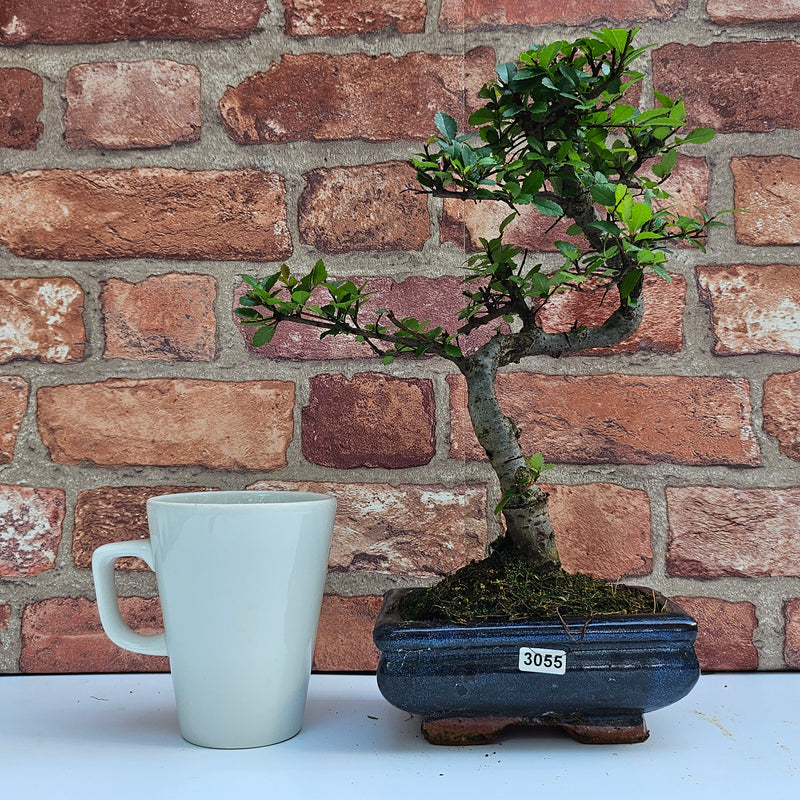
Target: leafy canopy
555,133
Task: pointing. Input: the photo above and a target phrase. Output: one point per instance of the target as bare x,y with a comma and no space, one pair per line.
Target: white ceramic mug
240,577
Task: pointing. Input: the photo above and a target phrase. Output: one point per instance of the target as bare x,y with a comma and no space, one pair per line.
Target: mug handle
107,605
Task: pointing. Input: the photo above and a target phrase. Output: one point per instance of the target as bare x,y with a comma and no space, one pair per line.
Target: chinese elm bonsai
555,133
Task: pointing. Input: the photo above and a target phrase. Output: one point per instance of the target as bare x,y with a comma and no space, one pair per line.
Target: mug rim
288,498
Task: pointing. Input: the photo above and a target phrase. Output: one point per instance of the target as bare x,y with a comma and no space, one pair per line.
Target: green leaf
621,114
319,274
548,207
263,335
661,272
624,203
503,502
446,125
699,136
269,282
615,38
506,72
668,162
606,226
506,222
568,250
540,284
536,462
482,116
604,193
641,214
629,282
548,52
663,99
534,182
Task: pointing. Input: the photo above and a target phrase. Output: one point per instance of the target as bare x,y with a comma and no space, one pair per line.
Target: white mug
240,578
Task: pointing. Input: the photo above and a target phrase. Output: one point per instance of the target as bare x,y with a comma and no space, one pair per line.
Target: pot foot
467,730
457,731
607,731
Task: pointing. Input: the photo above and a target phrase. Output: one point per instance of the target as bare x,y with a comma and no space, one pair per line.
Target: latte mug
240,579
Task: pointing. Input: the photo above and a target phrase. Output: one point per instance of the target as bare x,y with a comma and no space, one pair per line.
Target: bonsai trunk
526,513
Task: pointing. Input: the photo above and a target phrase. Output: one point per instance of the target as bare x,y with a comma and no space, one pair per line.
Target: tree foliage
554,133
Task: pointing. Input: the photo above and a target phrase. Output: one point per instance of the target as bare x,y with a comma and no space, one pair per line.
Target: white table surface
115,736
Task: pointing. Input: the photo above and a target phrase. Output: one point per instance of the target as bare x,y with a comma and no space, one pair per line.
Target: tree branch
534,341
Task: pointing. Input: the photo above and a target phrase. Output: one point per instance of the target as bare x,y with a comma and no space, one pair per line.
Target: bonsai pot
594,677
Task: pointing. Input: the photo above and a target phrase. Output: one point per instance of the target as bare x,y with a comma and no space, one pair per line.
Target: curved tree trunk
527,517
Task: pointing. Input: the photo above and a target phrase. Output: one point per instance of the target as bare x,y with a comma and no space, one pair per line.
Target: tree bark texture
527,518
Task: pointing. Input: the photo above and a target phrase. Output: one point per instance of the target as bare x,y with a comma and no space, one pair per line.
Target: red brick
781,410
13,404
20,105
63,634
322,97
437,300
661,329
168,422
43,320
724,633
164,318
348,17
470,15
372,420
465,222
619,419
114,514
768,189
754,309
731,86
407,530
71,21
344,636
791,647
118,105
5,617
688,187
725,12
720,531
31,522
602,529
363,208
138,213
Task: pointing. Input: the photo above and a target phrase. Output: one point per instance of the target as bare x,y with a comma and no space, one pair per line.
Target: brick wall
151,153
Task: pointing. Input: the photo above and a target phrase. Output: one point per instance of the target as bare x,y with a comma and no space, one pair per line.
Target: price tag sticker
553,662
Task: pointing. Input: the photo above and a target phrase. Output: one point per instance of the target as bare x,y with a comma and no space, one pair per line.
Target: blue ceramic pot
594,677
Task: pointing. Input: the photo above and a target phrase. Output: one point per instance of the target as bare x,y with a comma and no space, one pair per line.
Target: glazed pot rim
674,618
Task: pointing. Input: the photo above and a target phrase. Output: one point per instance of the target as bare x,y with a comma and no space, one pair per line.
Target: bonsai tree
555,133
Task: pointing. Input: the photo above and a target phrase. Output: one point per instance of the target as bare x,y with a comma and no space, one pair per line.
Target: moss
508,586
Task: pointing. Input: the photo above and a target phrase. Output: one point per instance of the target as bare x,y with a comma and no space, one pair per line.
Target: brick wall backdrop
152,152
